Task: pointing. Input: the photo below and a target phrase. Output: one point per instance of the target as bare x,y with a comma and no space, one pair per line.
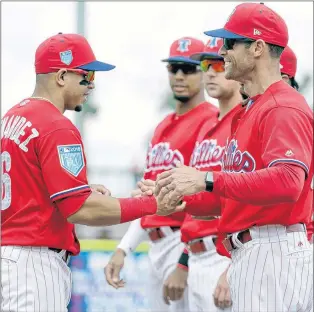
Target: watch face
209,177
209,181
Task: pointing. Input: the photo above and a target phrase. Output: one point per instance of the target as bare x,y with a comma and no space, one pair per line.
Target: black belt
245,236
66,256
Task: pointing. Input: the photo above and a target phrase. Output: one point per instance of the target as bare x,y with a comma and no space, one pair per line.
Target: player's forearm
203,204
133,237
99,210
269,186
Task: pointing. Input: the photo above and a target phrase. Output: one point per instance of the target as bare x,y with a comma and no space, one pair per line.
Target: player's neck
182,108
261,80
227,104
52,97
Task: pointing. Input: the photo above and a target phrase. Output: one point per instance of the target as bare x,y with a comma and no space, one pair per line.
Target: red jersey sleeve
287,137
62,160
203,204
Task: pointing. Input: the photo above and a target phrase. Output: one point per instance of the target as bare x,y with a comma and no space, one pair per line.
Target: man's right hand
113,269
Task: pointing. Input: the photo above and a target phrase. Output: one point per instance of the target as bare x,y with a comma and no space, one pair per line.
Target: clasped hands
171,186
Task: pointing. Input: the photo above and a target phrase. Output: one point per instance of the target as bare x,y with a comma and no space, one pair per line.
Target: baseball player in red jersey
173,141
288,68
267,170
44,184
203,264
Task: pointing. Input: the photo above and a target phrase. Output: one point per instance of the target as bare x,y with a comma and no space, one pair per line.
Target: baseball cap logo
256,32
183,45
213,42
66,57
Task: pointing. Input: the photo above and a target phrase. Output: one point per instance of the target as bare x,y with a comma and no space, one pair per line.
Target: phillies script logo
207,154
236,161
162,157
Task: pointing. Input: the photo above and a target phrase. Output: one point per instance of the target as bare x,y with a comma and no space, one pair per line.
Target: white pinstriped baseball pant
273,272
205,269
164,256
34,279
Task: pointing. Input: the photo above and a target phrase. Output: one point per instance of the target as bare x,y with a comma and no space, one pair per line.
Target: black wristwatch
209,181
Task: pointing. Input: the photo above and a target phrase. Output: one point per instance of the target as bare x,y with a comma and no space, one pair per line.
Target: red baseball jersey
173,142
44,176
275,127
207,155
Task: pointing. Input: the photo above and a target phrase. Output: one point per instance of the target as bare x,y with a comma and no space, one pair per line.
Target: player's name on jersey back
16,128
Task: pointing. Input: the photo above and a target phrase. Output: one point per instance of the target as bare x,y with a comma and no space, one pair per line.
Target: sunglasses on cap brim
228,44
89,76
186,68
217,65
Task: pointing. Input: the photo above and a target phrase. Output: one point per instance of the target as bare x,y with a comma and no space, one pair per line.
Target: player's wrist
135,208
183,262
122,250
200,182
182,267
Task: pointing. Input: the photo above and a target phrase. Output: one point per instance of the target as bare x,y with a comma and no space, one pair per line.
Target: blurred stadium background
119,118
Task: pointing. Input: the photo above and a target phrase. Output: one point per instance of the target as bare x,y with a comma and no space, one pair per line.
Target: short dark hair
274,50
294,83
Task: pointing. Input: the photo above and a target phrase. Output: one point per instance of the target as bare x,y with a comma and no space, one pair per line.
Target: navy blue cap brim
204,55
97,66
222,33
181,59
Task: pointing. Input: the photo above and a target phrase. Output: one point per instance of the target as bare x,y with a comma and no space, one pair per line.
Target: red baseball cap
288,62
67,51
211,50
183,48
254,21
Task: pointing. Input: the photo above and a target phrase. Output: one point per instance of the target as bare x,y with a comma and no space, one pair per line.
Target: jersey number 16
6,180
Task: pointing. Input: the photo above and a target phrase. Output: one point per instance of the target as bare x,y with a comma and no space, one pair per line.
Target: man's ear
60,77
259,47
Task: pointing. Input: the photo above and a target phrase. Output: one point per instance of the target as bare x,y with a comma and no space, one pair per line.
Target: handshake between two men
171,186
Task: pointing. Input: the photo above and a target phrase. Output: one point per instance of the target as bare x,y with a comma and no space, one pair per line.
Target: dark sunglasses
229,43
187,69
88,76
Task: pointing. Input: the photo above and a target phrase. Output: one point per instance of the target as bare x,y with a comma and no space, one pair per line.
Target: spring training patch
71,158
66,57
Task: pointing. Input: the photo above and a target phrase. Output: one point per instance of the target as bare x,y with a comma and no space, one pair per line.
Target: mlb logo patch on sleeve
71,158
